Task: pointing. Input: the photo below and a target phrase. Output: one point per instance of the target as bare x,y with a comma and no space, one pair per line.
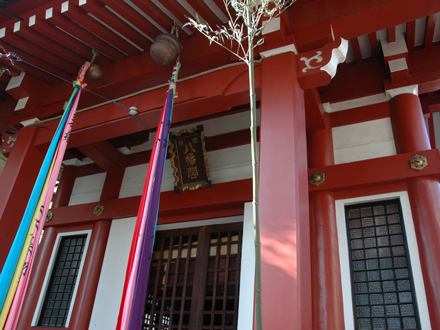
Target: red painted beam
410,35
106,16
58,36
378,171
27,33
430,30
373,45
87,22
360,115
356,50
41,53
350,20
103,154
221,5
157,15
198,97
133,17
195,205
204,11
178,11
141,72
57,19
391,34
36,63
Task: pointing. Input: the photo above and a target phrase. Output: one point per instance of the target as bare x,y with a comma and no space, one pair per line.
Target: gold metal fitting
49,216
98,210
418,162
316,178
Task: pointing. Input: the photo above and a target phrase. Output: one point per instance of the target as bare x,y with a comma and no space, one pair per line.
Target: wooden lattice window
194,279
382,282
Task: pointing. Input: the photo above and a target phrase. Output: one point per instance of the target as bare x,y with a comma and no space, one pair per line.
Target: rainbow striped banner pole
15,273
134,294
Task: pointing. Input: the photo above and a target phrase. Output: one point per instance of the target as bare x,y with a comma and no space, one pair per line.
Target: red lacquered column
408,124
65,187
283,205
85,297
410,134
327,304
16,182
424,196
320,148
36,277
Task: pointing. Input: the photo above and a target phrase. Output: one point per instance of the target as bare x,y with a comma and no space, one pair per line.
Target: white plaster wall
362,141
225,165
109,292
111,281
87,189
211,127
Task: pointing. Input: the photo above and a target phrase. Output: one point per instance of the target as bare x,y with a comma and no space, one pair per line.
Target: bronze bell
94,72
165,49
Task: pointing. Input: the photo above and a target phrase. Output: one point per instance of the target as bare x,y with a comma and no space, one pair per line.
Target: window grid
222,281
382,285
62,281
170,286
194,279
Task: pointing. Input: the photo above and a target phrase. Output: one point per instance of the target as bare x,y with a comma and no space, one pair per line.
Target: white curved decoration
338,56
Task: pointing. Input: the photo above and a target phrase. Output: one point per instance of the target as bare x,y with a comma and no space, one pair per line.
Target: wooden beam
356,50
378,171
430,30
188,206
391,34
133,17
103,154
59,64
42,40
372,38
202,9
106,16
58,36
349,21
410,35
198,97
57,19
87,22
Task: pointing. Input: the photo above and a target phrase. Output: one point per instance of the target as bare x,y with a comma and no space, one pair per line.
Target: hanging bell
94,72
165,49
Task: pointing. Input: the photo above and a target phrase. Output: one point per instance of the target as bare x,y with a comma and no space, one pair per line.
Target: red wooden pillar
424,196
65,187
283,198
85,298
16,182
408,124
36,277
328,309
410,135
320,148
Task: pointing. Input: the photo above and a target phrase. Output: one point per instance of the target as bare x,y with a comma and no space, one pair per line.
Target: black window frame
364,205
51,275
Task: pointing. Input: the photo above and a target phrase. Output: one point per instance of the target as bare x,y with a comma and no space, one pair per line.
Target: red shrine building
349,129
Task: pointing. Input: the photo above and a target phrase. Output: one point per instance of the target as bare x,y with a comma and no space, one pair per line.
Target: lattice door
194,279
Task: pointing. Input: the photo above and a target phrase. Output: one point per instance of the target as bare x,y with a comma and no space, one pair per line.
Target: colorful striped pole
134,294
14,276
